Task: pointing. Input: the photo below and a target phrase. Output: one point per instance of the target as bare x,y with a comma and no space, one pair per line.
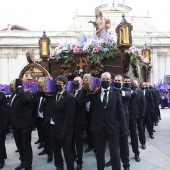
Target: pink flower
96,49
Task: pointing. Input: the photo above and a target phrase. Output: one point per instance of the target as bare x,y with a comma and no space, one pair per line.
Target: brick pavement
155,157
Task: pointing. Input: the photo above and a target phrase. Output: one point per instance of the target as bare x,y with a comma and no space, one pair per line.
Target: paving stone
156,156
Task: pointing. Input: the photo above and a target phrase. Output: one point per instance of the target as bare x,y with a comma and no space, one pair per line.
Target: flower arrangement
99,49
136,56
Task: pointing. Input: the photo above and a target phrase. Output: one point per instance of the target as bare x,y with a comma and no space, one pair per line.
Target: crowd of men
106,115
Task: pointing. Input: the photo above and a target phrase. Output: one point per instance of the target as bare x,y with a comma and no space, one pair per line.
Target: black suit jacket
112,116
137,105
126,98
80,114
150,105
21,112
3,111
61,112
141,104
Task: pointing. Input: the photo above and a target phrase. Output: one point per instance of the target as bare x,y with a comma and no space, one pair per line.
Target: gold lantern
44,43
124,37
146,53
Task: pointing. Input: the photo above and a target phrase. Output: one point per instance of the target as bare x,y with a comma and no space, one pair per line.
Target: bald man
79,122
107,121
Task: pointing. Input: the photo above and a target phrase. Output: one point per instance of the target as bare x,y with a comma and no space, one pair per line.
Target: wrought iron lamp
146,53
124,37
44,43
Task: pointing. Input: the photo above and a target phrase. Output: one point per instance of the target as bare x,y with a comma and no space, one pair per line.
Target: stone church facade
15,41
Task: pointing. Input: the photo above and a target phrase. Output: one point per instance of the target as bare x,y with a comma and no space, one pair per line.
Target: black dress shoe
143,146
43,152
126,169
79,167
153,130
16,151
49,158
28,168
137,159
38,141
151,136
88,149
108,164
60,168
2,164
40,146
19,167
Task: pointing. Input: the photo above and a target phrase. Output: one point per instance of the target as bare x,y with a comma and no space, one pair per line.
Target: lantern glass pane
44,48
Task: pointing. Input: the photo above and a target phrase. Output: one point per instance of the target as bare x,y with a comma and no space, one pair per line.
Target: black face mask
133,87
147,88
143,88
58,87
105,84
150,88
76,85
126,85
117,85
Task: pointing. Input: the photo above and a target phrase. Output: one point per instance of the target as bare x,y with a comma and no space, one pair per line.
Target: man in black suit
21,117
136,105
58,123
123,141
3,114
39,104
108,119
79,122
150,109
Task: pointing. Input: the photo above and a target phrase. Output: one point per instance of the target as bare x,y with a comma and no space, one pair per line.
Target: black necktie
41,105
58,97
105,98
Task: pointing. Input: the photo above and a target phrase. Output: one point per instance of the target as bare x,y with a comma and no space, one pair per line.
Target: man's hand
18,83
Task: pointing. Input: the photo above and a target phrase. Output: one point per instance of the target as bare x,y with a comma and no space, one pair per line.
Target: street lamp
124,36
44,43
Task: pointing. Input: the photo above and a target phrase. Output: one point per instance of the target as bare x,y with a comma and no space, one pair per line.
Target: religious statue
101,23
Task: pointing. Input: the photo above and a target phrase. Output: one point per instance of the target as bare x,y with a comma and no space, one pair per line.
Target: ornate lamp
124,37
44,43
146,53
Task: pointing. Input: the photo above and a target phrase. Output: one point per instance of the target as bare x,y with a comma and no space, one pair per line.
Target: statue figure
101,23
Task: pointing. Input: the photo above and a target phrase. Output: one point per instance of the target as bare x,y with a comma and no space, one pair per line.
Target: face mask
133,87
147,88
150,88
117,85
76,85
58,87
126,85
143,88
105,84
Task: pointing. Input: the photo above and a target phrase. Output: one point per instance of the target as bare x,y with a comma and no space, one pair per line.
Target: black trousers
133,135
42,135
100,144
54,144
148,123
40,129
23,141
89,132
77,141
141,131
2,138
124,150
